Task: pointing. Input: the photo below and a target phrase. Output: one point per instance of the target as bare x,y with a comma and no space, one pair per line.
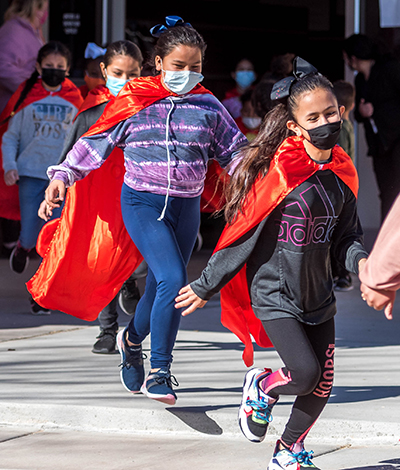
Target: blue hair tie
93,51
171,21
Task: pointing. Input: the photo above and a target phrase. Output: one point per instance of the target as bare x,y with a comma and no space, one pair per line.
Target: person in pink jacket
20,41
380,278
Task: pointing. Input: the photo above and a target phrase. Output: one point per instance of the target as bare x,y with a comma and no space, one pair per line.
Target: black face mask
324,137
53,77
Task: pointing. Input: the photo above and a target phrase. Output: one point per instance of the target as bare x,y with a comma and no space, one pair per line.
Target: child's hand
187,298
379,299
11,177
45,211
55,194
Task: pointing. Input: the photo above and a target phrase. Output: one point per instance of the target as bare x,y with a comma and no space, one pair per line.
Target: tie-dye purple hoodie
196,127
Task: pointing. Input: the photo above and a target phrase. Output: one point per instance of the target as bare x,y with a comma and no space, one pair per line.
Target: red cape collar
290,167
136,95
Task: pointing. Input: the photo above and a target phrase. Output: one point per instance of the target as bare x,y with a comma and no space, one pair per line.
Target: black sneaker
343,284
37,309
19,259
129,296
158,386
132,370
106,342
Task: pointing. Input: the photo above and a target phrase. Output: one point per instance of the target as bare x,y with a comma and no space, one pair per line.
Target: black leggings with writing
307,353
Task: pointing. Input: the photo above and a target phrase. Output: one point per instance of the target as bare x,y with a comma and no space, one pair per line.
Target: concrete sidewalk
63,406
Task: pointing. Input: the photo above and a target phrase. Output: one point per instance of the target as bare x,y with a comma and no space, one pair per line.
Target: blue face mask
115,85
244,78
182,81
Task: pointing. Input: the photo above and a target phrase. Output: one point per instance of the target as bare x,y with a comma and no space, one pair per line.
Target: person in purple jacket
20,41
166,148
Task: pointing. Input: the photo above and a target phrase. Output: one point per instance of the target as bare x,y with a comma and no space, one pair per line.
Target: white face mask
182,81
251,122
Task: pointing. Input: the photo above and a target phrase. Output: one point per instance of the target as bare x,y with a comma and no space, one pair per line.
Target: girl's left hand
187,298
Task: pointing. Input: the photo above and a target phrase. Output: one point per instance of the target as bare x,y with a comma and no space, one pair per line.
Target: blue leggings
31,194
166,246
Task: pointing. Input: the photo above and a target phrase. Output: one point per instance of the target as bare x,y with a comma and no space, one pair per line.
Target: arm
81,125
227,138
348,246
221,268
381,276
88,154
10,148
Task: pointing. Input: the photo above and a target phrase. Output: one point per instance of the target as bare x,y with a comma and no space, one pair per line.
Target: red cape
290,167
99,95
9,202
91,254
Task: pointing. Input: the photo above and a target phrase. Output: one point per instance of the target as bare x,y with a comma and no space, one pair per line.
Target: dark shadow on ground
196,417
393,464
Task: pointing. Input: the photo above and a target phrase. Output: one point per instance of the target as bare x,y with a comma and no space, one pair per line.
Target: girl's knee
307,380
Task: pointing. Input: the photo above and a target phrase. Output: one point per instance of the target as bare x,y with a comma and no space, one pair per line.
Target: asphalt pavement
63,407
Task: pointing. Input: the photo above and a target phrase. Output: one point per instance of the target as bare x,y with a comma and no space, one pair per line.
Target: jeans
166,246
31,194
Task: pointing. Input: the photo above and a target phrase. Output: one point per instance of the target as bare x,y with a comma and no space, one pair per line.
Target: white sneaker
284,459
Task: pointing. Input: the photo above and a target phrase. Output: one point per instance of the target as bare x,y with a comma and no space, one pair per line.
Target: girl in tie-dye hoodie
167,144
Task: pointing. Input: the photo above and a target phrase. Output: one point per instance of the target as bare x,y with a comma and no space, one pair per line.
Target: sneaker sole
167,399
120,349
242,414
40,313
104,351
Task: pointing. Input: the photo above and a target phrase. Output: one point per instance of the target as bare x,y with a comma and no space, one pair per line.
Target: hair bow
301,68
93,51
171,21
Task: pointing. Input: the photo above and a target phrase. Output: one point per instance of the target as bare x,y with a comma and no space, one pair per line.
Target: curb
181,421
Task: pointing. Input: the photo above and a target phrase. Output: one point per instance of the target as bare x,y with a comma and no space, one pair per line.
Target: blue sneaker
256,407
158,386
285,459
132,370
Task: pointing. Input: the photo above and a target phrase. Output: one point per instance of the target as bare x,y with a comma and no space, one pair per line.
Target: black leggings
307,352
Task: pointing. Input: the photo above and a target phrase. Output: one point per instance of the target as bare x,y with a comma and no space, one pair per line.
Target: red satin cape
91,254
99,95
290,167
9,202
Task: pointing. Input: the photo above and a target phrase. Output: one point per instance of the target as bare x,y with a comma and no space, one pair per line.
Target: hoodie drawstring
168,157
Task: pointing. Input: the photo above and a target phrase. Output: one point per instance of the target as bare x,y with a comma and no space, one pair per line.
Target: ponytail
256,159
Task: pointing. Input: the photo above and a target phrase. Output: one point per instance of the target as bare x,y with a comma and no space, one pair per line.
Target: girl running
39,116
168,126
290,198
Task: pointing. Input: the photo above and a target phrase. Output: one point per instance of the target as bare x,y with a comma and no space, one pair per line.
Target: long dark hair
174,37
52,47
257,156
